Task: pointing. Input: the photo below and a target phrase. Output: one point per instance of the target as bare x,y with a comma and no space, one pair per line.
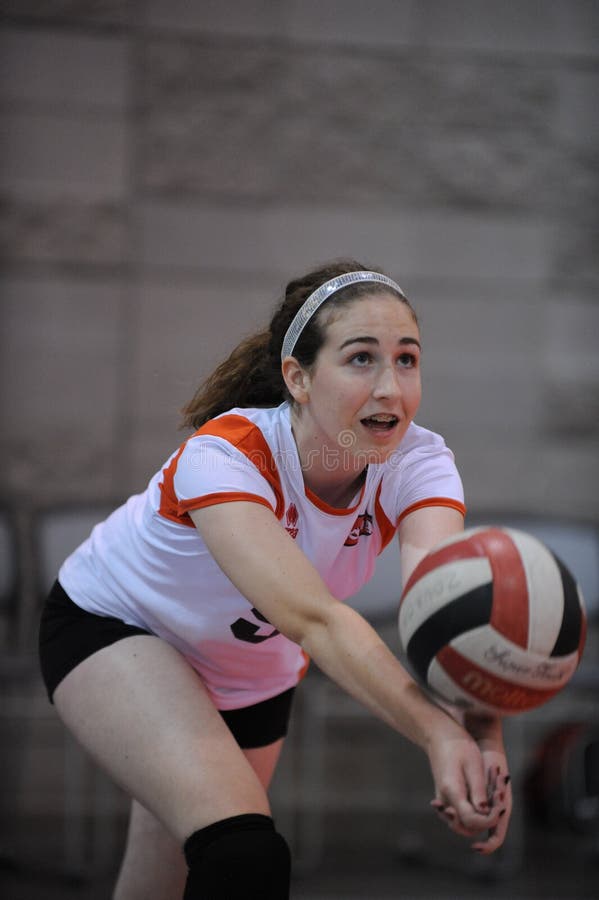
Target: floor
554,867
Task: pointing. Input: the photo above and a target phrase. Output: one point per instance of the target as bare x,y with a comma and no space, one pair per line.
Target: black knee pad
241,858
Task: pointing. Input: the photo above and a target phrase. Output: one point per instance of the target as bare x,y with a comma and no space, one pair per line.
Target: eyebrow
373,340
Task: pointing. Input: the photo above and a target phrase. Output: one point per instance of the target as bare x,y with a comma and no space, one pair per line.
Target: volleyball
492,621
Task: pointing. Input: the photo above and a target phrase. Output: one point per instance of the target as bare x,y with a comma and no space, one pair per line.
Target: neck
338,496
329,470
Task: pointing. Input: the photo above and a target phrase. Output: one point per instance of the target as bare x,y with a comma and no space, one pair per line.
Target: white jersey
148,565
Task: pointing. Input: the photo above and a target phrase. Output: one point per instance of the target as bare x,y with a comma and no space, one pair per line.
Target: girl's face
364,388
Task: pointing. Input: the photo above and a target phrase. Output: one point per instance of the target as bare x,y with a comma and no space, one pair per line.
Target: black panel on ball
469,611
568,638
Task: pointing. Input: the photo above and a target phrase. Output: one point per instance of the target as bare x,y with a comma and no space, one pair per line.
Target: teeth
384,417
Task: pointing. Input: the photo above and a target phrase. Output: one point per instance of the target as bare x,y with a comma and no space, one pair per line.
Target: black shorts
69,634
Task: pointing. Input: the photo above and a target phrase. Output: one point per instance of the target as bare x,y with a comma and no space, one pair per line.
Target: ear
296,378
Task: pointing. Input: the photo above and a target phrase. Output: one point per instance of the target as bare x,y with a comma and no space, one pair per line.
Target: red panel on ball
487,688
509,614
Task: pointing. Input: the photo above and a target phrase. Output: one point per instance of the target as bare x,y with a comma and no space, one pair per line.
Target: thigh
145,716
263,761
153,867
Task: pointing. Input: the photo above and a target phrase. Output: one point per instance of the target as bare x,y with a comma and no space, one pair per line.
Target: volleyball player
175,635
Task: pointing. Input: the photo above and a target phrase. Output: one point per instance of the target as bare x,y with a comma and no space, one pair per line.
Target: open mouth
380,422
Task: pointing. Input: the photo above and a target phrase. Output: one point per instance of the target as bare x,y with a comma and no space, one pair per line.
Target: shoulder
419,443
237,450
422,471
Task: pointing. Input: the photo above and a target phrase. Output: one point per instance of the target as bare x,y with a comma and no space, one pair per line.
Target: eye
407,360
360,359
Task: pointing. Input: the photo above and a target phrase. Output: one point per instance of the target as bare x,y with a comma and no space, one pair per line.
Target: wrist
484,729
438,725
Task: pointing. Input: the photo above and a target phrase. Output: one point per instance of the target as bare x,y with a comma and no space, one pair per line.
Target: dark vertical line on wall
123,475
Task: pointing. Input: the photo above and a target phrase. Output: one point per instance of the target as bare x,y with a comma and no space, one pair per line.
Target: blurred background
165,168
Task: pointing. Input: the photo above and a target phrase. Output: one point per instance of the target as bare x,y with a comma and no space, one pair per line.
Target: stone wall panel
104,13
45,155
410,244
184,331
545,479
274,125
93,70
525,26
167,166
59,387
63,231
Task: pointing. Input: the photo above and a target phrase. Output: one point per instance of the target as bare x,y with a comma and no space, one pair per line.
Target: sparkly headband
318,297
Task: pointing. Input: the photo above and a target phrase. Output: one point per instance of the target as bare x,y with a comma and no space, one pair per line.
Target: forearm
351,653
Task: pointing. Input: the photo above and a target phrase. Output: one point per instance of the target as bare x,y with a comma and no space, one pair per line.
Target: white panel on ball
544,580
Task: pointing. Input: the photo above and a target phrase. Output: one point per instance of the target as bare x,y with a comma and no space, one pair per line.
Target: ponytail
249,377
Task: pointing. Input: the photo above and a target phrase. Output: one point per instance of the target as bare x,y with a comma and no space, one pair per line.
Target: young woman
175,635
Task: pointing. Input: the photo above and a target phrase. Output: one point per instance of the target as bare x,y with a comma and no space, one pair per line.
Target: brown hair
251,376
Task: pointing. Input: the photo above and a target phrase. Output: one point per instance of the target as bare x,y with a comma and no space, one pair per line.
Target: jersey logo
362,526
248,631
292,517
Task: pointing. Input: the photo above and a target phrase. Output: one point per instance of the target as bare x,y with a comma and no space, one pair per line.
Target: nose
387,383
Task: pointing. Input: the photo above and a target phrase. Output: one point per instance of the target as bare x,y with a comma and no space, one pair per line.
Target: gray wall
166,167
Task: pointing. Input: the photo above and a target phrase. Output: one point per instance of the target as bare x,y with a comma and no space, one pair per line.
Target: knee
240,858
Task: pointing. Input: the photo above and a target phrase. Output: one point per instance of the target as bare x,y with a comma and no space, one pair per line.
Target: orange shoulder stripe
249,440
169,505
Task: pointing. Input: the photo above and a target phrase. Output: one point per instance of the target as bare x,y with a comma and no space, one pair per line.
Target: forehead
367,315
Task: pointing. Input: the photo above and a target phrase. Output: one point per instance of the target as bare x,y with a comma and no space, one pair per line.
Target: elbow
305,623
316,630
306,632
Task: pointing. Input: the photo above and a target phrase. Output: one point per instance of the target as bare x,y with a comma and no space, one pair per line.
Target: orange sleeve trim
386,527
305,666
222,497
433,501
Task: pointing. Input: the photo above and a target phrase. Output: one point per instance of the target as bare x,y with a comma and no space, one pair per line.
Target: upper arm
421,530
265,565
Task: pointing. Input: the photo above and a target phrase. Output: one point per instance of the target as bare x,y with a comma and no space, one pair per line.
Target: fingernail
450,813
